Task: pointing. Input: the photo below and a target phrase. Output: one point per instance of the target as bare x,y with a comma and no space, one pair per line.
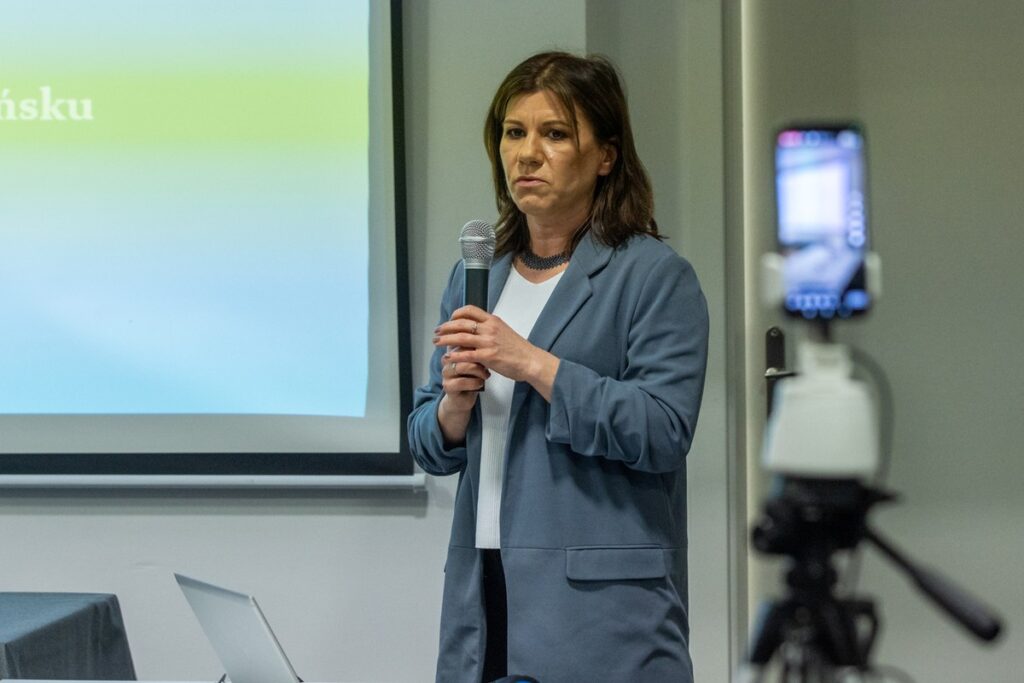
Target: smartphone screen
821,199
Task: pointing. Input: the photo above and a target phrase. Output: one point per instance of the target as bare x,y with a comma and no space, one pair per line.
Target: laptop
239,633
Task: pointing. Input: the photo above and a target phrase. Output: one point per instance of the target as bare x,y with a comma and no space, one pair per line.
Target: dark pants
496,611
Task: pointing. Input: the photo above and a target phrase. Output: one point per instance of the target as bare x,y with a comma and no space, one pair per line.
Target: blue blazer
593,509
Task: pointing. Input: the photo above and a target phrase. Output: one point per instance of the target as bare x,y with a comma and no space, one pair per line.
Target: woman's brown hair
623,203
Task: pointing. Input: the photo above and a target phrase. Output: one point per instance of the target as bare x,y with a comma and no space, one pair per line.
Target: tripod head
808,521
809,518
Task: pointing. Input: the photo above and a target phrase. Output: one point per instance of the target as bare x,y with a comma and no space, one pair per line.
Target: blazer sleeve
426,442
646,417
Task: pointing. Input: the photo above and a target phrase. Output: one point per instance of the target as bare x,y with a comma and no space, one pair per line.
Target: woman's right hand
460,382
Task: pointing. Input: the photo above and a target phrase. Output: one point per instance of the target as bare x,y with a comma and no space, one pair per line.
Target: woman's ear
611,154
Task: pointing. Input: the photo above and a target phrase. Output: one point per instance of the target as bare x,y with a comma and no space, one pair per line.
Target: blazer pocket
615,563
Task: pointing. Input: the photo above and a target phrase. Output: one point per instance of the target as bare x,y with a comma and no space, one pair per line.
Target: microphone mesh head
477,242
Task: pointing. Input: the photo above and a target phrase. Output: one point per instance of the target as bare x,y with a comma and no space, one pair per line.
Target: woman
567,558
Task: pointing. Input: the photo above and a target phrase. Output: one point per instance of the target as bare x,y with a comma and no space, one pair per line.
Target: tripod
816,635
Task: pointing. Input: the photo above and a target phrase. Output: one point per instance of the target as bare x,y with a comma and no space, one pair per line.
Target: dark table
63,636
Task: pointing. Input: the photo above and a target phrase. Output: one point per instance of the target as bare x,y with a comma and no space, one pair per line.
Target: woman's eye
514,133
556,134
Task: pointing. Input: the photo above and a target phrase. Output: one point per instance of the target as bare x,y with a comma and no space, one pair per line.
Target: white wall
938,85
342,578
941,84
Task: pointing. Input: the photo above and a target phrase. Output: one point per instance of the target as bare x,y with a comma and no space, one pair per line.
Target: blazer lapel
571,292
496,280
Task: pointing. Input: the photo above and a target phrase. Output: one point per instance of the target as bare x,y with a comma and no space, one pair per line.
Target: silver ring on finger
452,368
474,327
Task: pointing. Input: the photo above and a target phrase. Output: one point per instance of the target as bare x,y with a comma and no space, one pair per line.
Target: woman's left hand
479,337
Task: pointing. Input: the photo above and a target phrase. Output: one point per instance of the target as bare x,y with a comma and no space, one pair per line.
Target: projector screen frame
257,470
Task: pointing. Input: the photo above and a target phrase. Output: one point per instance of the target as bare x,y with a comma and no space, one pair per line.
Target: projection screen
202,260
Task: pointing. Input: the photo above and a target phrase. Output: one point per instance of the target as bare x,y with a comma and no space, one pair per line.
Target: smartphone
822,219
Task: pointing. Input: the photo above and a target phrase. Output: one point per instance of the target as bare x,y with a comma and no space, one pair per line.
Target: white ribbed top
519,305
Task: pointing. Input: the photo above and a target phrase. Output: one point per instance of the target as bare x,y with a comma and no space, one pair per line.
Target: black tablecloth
63,636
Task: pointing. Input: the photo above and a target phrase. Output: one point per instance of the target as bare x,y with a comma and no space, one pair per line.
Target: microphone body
476,287
477,241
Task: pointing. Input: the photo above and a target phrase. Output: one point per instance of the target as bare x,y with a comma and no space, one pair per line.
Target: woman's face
550,177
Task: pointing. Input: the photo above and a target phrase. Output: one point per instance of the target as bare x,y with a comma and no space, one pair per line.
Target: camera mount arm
963,608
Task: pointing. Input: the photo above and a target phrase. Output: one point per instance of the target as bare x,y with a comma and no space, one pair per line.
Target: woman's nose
529,151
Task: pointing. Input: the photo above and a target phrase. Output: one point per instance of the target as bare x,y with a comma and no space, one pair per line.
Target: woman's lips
528,181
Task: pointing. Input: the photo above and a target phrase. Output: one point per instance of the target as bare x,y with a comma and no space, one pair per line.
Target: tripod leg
769,631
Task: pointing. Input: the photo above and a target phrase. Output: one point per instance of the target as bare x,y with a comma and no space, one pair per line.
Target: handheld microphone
477,241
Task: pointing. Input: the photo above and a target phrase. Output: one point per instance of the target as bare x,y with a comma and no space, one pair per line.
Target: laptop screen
238,632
